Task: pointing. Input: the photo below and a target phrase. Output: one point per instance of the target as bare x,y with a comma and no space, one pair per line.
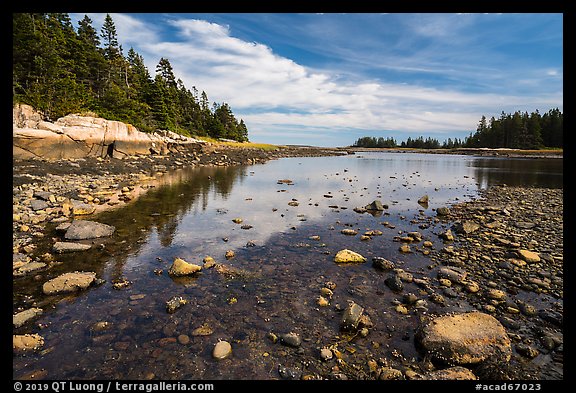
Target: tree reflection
162,208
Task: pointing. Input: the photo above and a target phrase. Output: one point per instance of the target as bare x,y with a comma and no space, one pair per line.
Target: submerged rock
222,350
69,282
27,342
351,317
62,247
290,339
84,229
22,317
175,303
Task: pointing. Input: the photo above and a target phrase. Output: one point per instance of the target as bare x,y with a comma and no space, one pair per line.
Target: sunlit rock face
75,136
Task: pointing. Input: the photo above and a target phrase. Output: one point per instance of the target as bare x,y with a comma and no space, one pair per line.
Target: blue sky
328,79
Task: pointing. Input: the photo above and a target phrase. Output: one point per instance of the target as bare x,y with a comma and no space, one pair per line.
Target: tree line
520,131
416,143
59,70
515,131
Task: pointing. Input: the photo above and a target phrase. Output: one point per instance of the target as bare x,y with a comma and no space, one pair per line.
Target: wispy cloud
439,86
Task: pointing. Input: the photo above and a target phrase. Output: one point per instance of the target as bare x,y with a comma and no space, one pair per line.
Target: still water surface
279,268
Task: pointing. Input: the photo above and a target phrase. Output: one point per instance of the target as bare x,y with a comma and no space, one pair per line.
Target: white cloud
275,94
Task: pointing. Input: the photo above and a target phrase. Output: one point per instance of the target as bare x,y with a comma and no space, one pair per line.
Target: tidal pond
283,221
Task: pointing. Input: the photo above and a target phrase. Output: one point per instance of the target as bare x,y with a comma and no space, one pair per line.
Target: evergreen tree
59,71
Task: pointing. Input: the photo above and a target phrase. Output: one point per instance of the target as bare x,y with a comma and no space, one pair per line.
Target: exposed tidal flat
226,268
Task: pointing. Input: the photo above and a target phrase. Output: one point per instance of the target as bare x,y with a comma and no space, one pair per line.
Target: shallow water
281,269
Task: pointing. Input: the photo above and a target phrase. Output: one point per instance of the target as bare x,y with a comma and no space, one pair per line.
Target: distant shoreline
484,152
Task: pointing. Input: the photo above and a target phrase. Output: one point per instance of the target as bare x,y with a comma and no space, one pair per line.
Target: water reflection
190,216
547,173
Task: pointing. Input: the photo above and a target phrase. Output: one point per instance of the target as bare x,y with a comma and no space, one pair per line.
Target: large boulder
465,339
84,229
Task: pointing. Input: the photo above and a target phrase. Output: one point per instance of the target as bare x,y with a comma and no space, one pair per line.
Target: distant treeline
60,70
516,131
417,143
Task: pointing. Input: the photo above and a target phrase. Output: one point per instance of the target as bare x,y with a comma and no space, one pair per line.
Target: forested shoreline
59,70
515,131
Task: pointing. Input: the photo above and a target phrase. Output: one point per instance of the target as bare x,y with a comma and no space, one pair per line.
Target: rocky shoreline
56,190
502,256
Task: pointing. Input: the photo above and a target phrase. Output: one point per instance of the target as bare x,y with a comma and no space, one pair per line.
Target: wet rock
423,200
466,227
182,268
467,338
28,267
390,374
229,254
527,309
289,373
496,294
401,309
84,229
527,350
375,205
394,282
326,354
100,326
447,235
22,317
349,232
26,342
204,330
551,316
222,350
409,299
322,301
69,282
456,373
183,339
452,273
405,248
290,339
347,256
326,292
351,317
121,283
175,303
415,236
443,211
62,247
382,263
208,262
